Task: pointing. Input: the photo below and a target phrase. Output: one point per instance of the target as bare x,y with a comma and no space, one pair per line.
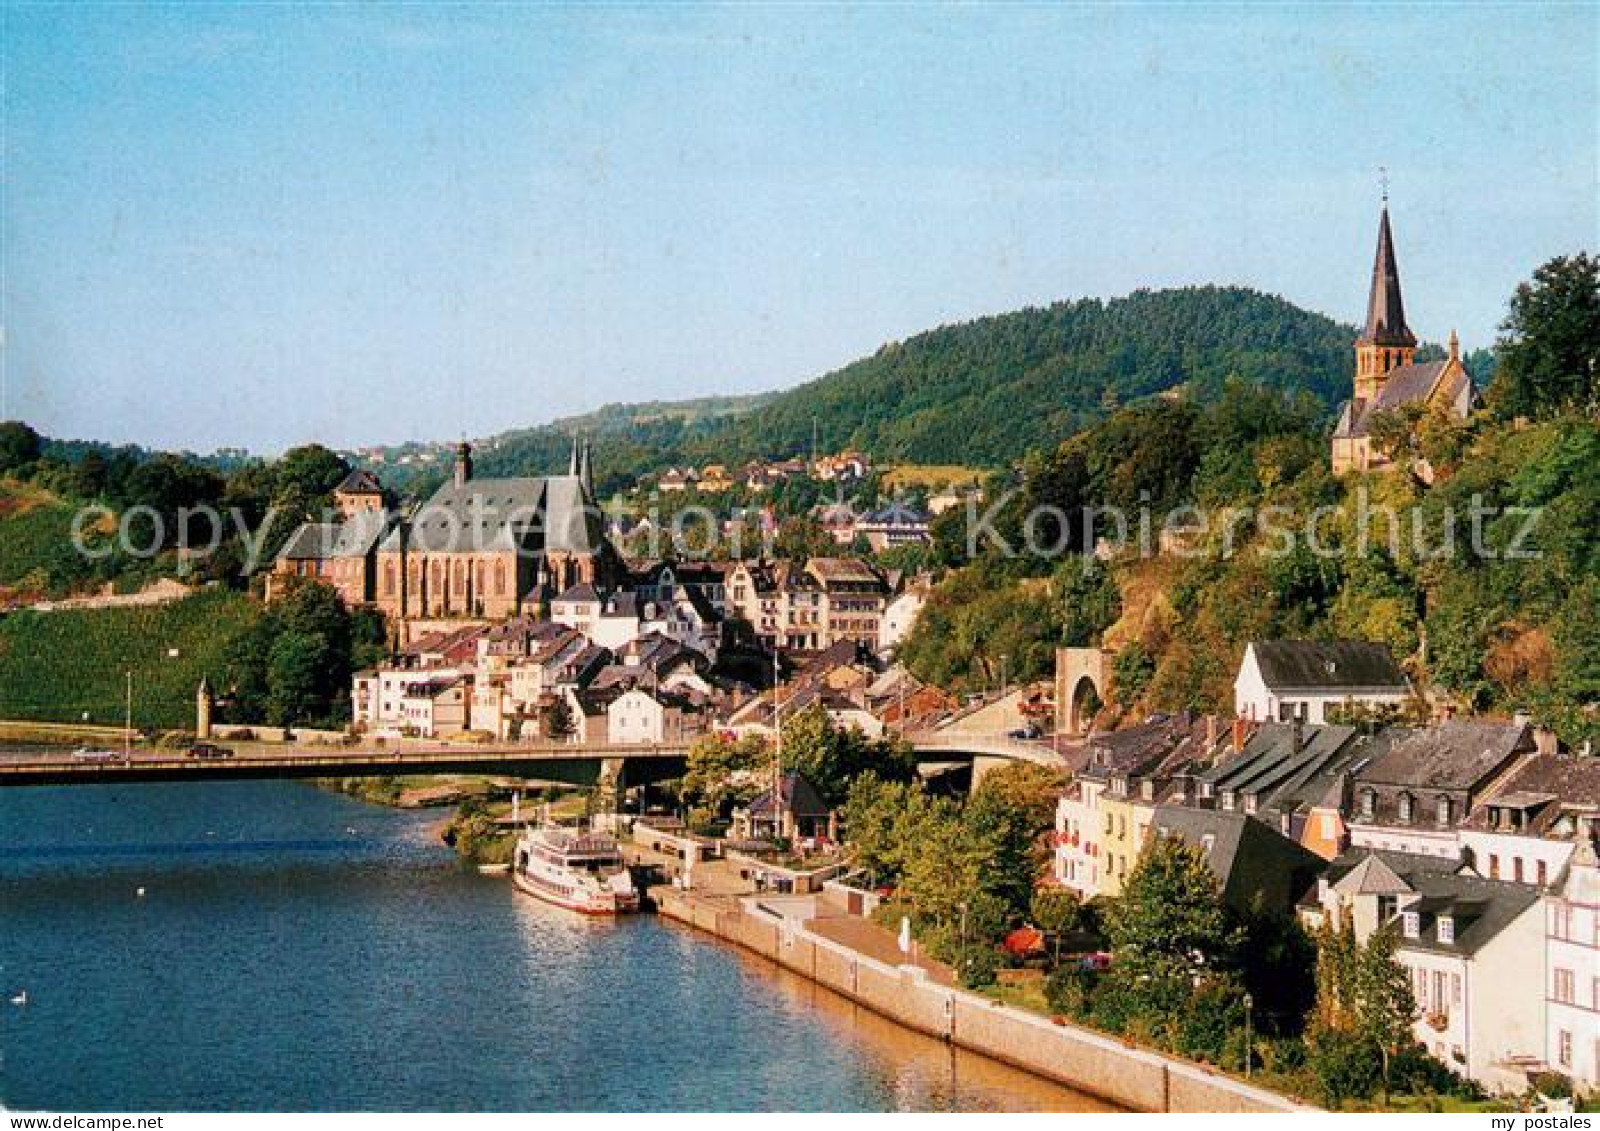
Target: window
1543,873
1563,988
1406,806
1494,866
1207,843
1447,929
1441,811
1369,803
1564,1048
1411,924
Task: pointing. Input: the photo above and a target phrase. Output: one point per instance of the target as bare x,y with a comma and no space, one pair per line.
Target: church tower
1386,343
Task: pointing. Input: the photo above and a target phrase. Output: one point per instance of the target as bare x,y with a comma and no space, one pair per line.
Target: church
1388,376
477,549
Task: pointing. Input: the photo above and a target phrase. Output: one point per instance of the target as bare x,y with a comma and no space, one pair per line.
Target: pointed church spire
1386,314
586,471
572,461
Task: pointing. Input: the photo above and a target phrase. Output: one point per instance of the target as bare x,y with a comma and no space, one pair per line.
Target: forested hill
986,391
983,392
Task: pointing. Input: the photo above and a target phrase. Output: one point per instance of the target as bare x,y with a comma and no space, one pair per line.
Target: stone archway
1082,677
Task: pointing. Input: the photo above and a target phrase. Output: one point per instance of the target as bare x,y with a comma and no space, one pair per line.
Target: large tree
1549,351
1169,929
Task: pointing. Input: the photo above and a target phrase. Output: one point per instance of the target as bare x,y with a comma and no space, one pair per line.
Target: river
297,950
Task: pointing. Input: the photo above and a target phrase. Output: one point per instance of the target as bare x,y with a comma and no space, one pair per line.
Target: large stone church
477,549
1388,376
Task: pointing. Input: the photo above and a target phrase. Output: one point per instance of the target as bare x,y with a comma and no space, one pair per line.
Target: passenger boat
581,871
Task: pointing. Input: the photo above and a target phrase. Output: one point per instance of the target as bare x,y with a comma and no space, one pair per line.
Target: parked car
209,750
90,754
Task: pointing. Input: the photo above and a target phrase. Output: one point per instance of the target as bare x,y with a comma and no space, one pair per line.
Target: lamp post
1249,1004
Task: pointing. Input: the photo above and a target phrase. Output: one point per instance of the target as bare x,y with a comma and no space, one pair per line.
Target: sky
267,224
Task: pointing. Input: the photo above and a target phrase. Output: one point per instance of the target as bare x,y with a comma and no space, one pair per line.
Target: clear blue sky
266,224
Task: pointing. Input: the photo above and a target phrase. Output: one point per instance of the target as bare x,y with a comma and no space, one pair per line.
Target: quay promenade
816,937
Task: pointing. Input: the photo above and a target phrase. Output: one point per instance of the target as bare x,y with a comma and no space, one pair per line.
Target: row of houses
1474,839
760,475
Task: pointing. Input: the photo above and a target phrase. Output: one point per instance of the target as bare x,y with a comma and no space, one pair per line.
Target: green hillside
61,666
979,392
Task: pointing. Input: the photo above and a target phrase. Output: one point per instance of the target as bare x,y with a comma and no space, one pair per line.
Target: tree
1385,1005
723,771
1549,351
1169,929
19,445
559,723
1009,813
1056,911
831,756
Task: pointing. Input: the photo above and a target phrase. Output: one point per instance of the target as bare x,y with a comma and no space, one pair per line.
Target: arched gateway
1082,677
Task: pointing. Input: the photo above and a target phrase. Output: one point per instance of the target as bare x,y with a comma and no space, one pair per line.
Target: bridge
564,763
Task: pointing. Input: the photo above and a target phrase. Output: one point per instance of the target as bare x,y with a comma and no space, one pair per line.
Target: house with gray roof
1280,680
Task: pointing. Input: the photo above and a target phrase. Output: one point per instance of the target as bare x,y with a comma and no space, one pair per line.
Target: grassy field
63,666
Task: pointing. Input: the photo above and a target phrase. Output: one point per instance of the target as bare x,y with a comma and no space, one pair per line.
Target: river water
294,950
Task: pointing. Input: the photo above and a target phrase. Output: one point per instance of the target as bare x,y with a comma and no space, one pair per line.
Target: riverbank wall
1090,1062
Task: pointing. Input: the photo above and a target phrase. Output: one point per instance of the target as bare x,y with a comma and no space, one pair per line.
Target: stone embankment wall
1067,1054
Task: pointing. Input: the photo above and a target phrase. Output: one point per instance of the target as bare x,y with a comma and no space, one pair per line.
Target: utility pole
127,721
777,743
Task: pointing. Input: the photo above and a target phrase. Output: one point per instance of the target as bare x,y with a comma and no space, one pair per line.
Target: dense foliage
1486,582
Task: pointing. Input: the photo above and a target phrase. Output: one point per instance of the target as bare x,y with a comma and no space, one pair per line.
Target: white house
899,615
1280,680
1572,945
1474,949
642,716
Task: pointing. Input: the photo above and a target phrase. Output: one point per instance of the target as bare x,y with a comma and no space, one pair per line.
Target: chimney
1238,734
463,471
1297,733
1546,741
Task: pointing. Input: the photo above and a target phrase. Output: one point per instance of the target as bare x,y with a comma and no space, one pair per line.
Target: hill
71,665
980,392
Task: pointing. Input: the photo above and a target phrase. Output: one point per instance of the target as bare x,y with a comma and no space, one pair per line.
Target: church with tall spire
1387,375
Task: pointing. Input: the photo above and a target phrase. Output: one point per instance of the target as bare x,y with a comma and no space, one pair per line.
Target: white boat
581,871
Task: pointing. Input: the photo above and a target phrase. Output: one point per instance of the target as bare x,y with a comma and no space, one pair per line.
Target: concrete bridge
565,763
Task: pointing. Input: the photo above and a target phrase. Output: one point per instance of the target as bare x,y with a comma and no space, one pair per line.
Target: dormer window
1405,808
1443,811
1369,803
1207,842
1147,790
1249,803
1411,924
1447,929
1227,799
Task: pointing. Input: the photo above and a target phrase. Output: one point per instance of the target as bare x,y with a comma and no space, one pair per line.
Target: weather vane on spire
1383,179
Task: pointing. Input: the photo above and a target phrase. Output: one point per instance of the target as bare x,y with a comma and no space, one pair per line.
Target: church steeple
1386,342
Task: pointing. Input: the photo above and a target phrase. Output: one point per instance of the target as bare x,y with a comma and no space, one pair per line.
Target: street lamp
1249,1004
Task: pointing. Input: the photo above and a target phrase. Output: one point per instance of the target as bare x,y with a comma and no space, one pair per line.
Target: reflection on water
297,950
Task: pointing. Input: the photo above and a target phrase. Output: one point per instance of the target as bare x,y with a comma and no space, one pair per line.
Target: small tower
463,472
202,710
1386,342
572,460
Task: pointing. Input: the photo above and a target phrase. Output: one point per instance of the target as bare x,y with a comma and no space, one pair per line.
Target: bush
1070,991
1215,1012
1345,1066
1553,1085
